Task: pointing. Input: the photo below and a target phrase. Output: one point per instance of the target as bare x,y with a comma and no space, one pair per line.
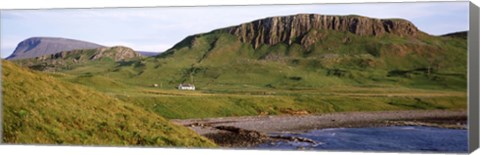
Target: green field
202,105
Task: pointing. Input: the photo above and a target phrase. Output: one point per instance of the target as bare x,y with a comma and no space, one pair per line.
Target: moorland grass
39,109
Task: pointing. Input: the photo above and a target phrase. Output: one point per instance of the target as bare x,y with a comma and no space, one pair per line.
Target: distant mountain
148,54
38,46
461,34
79,57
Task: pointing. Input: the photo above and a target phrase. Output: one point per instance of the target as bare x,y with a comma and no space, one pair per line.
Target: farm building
186,87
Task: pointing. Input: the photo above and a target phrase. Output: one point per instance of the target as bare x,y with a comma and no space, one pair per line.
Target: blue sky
157,29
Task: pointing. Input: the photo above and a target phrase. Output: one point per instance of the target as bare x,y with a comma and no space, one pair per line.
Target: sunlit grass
39,109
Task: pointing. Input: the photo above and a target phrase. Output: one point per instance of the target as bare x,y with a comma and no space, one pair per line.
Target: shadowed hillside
462,34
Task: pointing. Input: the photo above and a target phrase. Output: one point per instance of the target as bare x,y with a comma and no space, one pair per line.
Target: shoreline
248,131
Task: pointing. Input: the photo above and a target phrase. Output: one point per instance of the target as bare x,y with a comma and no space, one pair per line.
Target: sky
158,29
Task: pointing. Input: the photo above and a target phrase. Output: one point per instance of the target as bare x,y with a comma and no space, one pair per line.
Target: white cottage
186,86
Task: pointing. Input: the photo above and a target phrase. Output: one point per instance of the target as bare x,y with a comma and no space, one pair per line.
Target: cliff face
38,46
288,29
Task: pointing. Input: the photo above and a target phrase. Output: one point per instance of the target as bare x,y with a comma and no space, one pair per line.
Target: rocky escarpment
38,46
290,29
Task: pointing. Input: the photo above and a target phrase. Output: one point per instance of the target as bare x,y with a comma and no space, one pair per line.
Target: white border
34,4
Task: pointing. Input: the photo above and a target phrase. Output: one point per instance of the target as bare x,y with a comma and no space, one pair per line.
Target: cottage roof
186,85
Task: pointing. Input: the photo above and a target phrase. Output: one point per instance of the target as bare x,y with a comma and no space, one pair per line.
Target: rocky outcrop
64,59
237,137
38,46
116,53
290,29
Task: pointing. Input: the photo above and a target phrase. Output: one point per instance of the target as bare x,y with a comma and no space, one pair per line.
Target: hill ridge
38,46
75,57
289,29
458,34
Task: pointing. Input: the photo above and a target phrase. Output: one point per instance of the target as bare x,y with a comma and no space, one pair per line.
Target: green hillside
216,60
312,63
39,109
68,60
426,63
365,74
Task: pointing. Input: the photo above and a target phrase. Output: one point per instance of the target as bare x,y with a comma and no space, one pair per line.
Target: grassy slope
362,74
190,105
39,109
215,61
286,78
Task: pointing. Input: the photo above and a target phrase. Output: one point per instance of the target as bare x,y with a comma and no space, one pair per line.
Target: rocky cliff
288,29
38,46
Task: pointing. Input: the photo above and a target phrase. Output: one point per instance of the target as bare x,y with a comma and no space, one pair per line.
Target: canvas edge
473,78
473,68
1,93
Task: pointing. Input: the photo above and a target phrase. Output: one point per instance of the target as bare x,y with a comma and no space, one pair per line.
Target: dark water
395,139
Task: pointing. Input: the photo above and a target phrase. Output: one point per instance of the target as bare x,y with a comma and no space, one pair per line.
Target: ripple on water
395,139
